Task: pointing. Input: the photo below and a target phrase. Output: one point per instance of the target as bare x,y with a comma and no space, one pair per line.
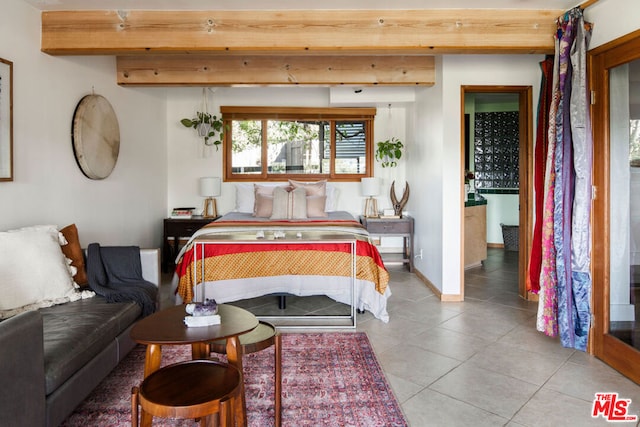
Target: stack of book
182,213
389,214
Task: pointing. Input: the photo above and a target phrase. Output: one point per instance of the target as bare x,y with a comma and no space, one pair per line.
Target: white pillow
33,271
245,196
332,198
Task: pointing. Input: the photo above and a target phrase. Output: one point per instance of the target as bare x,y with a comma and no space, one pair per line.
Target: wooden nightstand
179,229
402,227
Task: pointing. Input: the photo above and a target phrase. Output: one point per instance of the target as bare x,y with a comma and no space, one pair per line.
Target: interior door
615,80
525,166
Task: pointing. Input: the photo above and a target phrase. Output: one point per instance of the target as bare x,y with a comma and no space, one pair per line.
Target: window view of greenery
634,143
279,148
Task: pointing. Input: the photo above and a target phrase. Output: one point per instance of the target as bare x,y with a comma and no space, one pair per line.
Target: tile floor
481,362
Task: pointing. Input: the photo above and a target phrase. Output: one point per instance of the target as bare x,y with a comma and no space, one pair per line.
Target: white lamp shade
370,186
209,187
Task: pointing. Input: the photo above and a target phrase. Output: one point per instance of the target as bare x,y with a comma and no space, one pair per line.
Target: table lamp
370,188
210,188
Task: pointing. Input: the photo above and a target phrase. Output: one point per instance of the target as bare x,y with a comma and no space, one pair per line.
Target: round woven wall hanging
96,136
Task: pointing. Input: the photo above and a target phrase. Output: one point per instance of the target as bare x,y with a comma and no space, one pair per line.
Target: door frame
525,161
611,350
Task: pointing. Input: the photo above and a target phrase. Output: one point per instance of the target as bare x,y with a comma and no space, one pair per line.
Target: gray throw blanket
115,272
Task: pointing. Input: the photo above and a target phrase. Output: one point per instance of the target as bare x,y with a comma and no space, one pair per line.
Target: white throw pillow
33,270
245,198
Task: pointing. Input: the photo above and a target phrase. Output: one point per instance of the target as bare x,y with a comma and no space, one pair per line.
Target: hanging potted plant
389,152
208,125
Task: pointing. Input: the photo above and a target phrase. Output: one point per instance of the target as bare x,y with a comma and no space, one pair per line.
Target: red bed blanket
320,249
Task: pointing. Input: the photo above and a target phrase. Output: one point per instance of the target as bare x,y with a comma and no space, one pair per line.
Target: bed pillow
332,198
263,199
315,206
331,191
289,204
244,198
245,195
73,251
33,271
263,206
318,188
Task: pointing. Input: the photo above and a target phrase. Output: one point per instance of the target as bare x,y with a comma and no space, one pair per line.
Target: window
496,152
264,143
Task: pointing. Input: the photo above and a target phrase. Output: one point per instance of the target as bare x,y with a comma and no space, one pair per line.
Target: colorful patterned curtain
559,269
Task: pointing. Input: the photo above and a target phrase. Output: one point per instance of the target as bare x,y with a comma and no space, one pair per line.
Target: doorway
615,80
504,182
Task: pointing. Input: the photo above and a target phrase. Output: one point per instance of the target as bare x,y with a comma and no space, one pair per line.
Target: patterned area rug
328,379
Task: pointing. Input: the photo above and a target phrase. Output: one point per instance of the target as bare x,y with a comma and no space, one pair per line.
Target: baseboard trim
442,297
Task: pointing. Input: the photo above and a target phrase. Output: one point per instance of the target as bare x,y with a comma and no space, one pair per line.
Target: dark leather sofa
52,358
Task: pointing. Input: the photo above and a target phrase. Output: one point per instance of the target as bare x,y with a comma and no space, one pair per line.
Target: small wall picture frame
6,120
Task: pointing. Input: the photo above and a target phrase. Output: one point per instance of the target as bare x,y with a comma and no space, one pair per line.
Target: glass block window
496,151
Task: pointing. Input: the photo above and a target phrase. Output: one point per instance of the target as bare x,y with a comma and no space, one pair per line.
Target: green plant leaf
388,152
187,123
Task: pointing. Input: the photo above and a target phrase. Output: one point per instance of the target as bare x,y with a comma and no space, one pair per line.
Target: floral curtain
559,269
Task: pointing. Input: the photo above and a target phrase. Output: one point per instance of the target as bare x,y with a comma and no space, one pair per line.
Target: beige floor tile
526,337
403,388
510,361
450,343
430,408
583,381
548,408
494,392
483,326
416,364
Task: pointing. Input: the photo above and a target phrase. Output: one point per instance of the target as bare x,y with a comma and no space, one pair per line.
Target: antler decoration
399,206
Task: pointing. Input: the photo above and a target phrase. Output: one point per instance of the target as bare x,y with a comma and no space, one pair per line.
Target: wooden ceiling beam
217,70
301,32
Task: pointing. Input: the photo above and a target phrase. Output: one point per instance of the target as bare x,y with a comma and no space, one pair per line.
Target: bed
247,256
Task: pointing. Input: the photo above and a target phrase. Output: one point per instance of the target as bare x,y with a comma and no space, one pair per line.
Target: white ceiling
301,4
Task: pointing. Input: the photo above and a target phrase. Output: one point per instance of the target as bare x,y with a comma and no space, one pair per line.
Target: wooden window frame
229,114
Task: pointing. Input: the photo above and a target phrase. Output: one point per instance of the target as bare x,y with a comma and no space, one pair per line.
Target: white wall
425,173
439,129
612,19
187,162
48,187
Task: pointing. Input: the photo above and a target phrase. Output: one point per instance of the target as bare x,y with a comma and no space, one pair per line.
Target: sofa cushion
76,331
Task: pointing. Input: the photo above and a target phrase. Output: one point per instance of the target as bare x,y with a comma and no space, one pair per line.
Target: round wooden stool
193,389
263,336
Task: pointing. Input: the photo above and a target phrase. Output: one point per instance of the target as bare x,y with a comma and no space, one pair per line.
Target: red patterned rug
328,379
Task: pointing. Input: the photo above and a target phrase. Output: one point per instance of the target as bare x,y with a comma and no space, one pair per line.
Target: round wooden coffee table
166,327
